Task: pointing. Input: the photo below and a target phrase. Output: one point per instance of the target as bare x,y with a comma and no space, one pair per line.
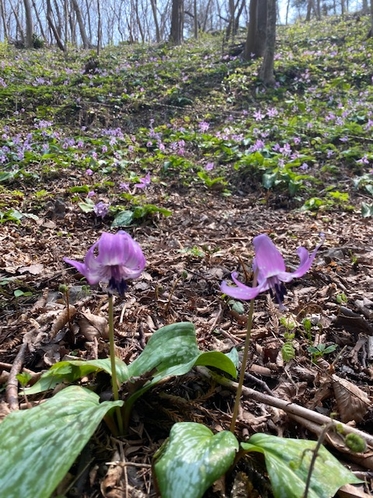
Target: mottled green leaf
122,219
288,462
39,445
70,371
192,459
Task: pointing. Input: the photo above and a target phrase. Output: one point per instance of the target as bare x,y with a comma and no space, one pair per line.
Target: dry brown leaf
349,491
352,402
35,269
92,326
113,485
61,320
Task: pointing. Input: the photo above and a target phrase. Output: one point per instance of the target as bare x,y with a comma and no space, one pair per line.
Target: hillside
185,149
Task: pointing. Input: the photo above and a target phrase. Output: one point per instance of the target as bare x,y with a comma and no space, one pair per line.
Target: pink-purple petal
267,257
242,291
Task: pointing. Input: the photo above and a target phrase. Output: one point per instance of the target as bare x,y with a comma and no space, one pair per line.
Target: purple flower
271,272
209,166
203,126
144,182
89,172
101,209
113,259
124,186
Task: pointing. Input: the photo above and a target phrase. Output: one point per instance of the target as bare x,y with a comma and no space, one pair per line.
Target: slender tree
177,22
29,24
251,31
266,72
3,20
155,19
79,18
53,28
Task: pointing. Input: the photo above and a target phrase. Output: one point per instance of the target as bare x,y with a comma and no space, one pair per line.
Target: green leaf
70,371
87,206
288,462
192,459
123,219
366,210
39,445
172,351
237,306
172,345
218,360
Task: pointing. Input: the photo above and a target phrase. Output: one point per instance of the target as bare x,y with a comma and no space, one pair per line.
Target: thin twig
315,453
292,409
12,384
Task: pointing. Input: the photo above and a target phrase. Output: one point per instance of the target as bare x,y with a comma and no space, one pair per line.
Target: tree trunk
99,28
155,18
5,27
29,25
39,21
52,27
195,24
18,23
79,18
261,29
177,22
251,31
287,12
266,72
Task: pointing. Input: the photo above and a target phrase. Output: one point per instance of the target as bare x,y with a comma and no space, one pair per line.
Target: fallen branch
315,422
12,384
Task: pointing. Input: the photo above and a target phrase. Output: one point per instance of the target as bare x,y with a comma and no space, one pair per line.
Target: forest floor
182,285
327,329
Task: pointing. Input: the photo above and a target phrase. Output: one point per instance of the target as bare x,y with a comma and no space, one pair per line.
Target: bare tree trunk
287,12
52,27
58,18
155,18
261,29
3,19
266,72
177,22
99,28
29,24
79,18
18,22
88,23
195,12
206,18
139,24
251,31
39,21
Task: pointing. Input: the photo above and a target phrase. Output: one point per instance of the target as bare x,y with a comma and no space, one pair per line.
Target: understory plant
193,457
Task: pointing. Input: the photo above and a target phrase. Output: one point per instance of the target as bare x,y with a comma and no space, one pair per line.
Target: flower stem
243,363
113,364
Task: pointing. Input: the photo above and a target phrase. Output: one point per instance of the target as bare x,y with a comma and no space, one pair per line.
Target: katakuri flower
270,269
113,259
